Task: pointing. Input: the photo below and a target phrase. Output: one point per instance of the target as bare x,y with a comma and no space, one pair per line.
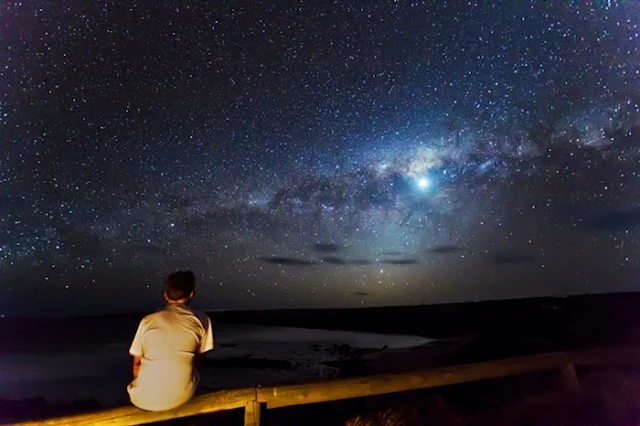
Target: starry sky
316,153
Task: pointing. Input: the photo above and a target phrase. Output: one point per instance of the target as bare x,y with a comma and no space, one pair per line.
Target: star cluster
315,154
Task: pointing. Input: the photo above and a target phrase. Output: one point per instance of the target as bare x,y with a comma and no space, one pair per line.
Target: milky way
317,154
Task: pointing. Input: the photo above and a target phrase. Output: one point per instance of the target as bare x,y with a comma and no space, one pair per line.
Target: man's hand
136,366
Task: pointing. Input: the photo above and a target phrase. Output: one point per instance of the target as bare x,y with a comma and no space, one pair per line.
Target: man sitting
168,349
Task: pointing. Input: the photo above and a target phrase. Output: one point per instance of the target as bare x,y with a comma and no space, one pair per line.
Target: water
80,359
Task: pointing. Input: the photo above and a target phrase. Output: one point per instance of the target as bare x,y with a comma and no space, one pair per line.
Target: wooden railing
253,399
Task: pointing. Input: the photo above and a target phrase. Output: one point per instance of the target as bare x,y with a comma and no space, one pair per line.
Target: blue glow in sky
313,154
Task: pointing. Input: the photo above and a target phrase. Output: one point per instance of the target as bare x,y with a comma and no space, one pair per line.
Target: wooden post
252,414
570,377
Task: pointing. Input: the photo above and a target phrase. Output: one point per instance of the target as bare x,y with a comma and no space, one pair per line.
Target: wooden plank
252,413
283,396
123,416
570,377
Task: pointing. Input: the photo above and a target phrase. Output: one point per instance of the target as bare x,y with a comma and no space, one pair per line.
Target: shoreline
355,363
245,356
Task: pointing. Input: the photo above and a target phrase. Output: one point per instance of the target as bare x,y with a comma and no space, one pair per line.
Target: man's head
180,287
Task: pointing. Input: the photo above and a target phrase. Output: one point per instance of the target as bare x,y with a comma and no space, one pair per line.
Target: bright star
424,183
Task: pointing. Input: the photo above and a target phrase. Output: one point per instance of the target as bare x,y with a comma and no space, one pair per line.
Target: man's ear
164,293
193,293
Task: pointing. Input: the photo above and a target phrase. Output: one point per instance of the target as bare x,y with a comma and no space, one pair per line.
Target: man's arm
206,344
136,349
136,366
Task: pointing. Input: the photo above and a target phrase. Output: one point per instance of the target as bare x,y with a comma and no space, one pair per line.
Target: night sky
316,153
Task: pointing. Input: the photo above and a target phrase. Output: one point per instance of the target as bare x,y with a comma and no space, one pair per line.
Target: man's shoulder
151,316
204,318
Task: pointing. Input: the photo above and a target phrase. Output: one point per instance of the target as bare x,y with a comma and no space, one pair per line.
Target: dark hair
180,285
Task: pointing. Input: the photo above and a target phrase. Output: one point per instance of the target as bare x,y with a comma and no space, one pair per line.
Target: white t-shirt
167,342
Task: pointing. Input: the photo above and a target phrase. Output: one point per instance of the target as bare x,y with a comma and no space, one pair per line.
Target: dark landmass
488,330
510,327
480,330
514,327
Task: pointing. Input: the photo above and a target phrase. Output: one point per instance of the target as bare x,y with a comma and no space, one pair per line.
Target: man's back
167,342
